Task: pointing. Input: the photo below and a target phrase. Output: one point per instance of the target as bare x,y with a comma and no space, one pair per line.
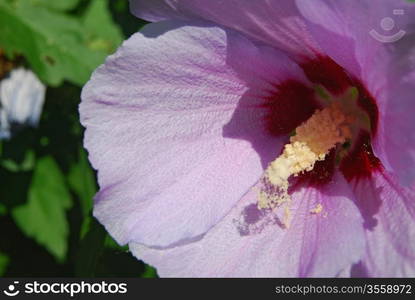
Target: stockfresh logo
12,290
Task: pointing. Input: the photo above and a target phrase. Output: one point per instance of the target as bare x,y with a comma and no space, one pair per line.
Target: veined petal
397,143
158,113
350,24
353,34
273,22
389,213
251,243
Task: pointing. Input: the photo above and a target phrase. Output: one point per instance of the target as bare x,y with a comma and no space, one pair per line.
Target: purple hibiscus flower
259,138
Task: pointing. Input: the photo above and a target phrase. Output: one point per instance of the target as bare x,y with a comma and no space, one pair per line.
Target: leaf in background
56,45
50,41
81,180
101,32
43,216
4,261
62,5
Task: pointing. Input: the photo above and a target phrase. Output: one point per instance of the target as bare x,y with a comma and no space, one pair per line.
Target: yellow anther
324,130
313,140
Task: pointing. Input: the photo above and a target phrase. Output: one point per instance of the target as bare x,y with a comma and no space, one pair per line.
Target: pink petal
172,155
273,22
398,139
343,30
251,243
389,212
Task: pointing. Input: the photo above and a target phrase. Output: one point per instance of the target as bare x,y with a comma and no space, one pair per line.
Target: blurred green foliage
48,200
47,184
58,45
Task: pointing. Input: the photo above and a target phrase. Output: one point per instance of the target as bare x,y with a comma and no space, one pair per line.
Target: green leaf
101,32
81,180
55,44
4,261
62,5
43,216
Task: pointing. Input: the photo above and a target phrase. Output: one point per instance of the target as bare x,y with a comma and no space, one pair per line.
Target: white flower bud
21,96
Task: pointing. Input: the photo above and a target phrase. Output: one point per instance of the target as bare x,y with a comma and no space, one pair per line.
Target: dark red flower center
294,103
